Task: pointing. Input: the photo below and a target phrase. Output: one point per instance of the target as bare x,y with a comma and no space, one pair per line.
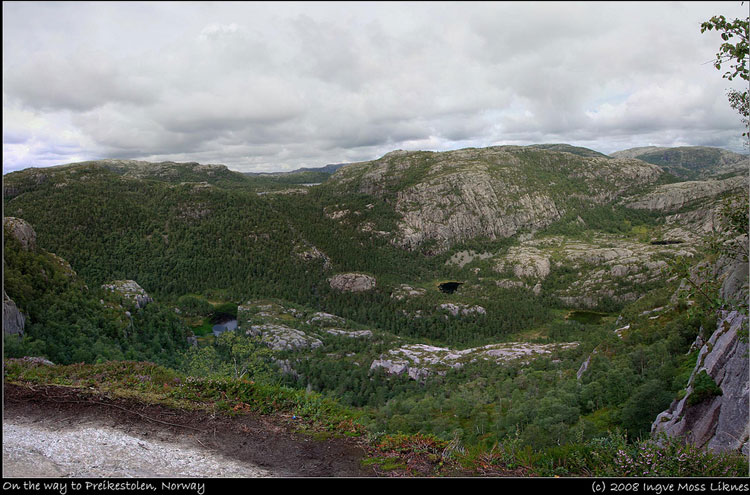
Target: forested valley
566,331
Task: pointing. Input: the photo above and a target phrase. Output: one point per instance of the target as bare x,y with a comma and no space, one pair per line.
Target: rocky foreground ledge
719,422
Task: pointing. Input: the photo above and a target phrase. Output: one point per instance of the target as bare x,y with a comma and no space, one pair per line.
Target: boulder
130,290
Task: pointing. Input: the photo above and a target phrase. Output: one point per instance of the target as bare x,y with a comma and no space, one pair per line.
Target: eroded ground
59,432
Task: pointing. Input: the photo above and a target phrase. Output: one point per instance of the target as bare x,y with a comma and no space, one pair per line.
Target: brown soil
263,441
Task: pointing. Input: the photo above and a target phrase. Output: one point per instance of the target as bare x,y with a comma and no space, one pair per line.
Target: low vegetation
399,454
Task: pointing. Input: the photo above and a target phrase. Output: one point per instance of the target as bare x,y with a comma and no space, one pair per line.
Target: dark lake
586,317
222,327
449,287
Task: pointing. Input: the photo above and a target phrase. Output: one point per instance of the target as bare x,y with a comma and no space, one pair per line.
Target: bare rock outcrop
419,361
462,309
22,231
404,291
354,334
352,282
283,338
671,197
13,319
690,162
308,252
130,290
718,420
608,267
525,262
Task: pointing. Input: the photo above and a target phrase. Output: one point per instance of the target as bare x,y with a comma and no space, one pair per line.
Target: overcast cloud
278,86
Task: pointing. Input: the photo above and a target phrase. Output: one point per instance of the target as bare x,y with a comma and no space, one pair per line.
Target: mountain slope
492,193
690,162
66,321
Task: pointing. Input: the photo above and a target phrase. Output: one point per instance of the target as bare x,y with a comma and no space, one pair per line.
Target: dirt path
58,432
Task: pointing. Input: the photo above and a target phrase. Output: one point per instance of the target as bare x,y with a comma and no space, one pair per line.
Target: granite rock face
671,197
282,337
13,319
735,277
494,193
352,282
719,422
525,262
22,231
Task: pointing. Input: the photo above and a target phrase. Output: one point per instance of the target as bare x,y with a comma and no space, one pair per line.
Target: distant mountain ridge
690,162
328,169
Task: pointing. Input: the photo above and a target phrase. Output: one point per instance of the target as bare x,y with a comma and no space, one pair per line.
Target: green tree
734,53
642,407
233,356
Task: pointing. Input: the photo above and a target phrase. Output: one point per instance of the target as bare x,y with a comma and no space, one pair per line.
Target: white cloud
281,85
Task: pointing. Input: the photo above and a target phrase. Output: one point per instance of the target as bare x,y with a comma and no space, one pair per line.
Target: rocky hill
492,193
690,162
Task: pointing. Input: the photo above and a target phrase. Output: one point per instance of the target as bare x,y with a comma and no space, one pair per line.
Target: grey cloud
78,82
258,85
15,136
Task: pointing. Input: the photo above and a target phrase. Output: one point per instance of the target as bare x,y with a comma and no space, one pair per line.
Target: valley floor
58,432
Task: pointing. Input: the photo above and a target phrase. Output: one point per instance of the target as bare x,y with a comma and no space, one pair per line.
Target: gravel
31,450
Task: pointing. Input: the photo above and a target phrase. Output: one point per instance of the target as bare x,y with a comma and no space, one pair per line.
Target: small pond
449,287
222,327
665,242
586,317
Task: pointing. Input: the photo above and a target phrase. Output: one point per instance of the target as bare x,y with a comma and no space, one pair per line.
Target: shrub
704,387
193,306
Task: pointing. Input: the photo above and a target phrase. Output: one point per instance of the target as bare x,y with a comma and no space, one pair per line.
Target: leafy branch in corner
733,51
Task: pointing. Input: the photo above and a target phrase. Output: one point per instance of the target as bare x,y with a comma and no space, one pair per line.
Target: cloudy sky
277,86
